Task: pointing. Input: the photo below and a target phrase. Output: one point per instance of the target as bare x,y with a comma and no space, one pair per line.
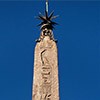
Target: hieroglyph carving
46,73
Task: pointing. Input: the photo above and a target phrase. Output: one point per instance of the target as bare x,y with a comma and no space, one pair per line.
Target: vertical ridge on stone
45,84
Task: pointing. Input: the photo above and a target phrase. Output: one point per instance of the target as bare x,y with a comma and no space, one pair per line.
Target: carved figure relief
46,73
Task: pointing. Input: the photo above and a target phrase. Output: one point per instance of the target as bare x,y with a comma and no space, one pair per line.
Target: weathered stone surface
45,81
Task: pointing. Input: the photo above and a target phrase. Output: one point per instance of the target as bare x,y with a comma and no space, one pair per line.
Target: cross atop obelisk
45,81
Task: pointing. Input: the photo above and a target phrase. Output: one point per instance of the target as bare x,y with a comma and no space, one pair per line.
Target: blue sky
78,48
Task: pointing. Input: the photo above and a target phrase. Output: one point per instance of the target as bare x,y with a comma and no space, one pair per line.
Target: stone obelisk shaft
45,84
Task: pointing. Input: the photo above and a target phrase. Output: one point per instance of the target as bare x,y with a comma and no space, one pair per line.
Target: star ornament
47,20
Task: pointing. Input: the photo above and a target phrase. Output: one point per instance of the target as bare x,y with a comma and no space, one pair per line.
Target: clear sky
78,48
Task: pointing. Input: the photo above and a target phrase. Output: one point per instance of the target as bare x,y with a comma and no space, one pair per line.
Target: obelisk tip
47,6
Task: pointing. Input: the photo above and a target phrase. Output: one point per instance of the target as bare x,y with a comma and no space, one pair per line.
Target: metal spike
46,14
47,6
53,17
40,24
40,13
42,18
51,14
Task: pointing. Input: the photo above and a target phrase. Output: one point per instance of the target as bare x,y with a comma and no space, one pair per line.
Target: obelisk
45,80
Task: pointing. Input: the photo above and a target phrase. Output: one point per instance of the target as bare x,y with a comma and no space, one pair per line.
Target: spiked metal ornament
47,20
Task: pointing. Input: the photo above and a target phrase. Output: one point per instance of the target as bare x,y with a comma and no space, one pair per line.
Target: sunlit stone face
46,38
46,84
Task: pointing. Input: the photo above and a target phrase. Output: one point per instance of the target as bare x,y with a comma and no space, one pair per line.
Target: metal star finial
47,20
